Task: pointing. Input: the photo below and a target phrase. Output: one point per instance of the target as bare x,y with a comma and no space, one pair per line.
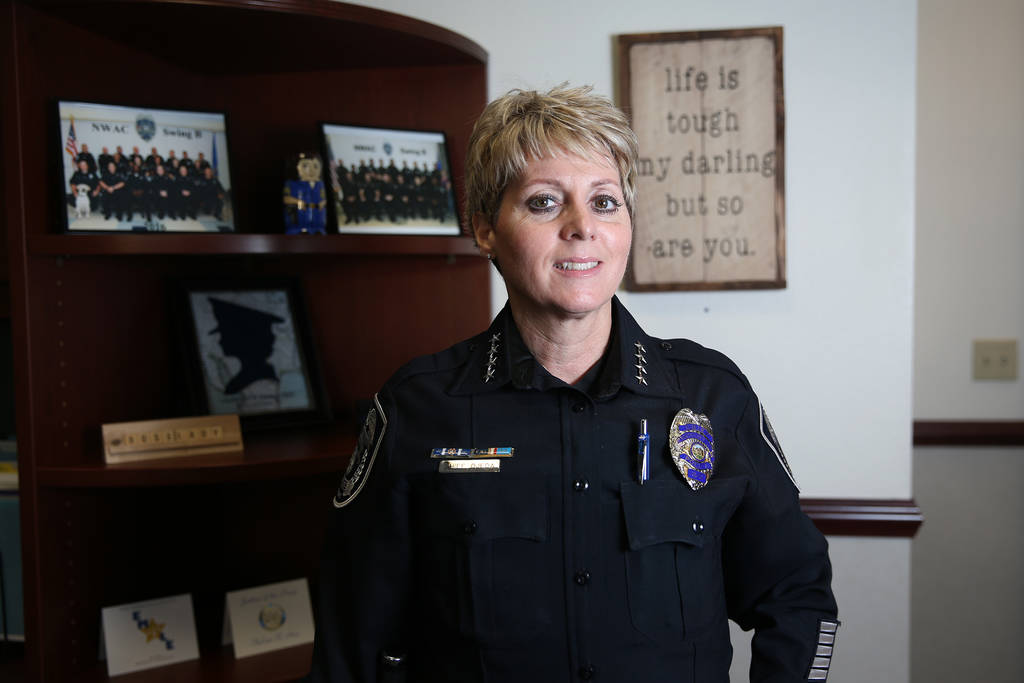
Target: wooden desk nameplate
171,438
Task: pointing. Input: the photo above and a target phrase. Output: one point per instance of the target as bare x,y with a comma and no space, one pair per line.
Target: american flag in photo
72,144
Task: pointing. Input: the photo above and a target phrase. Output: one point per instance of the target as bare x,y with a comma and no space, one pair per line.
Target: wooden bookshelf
95,340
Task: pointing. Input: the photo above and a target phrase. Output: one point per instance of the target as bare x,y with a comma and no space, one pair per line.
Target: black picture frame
364,165
267,371
193,201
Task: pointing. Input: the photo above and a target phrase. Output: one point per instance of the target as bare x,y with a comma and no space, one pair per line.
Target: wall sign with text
707,107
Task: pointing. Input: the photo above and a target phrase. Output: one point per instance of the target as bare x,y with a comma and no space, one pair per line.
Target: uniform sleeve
777,571
364,578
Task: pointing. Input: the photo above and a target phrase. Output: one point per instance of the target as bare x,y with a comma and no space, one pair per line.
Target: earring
490,256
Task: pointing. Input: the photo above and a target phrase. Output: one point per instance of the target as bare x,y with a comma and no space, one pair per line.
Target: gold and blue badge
693,447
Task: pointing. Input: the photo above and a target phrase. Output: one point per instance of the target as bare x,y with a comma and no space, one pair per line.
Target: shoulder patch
768,434
359,465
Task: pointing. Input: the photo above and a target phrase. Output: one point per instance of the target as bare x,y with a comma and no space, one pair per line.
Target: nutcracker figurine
305,203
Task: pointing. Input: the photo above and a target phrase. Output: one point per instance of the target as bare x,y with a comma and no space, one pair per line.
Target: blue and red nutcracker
305,202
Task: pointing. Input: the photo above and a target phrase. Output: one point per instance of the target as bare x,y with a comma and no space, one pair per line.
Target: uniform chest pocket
487,572
673,563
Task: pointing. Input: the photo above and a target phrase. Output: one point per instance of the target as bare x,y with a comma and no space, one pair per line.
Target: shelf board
129,244
221,666
265,457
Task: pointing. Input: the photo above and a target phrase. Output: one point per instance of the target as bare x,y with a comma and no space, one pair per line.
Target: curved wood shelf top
272,28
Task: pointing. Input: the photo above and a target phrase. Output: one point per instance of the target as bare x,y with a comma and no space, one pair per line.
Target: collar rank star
692,447
492,357
641,363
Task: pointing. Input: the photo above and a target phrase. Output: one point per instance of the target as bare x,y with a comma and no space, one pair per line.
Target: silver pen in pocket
643,454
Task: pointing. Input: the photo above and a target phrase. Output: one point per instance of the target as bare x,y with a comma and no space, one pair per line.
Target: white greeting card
267,618
144,635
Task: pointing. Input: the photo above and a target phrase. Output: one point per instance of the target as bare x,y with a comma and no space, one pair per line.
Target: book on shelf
8,465
12,605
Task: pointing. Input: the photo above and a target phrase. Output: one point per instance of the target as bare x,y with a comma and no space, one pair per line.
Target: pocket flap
485,507
664,511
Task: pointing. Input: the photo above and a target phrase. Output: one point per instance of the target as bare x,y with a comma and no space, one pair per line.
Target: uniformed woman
564,497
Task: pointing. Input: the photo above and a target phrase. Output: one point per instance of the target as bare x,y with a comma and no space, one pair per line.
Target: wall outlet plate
995,359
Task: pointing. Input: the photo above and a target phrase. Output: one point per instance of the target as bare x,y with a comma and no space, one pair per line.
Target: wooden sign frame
709,111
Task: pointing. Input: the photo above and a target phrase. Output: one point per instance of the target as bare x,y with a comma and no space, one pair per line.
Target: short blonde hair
525,124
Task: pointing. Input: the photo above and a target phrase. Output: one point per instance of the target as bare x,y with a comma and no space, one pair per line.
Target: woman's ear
483,231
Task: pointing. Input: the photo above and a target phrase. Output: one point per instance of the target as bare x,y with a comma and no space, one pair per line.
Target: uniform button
698,526
587,672
472,347
469,528
577,407
582,577
580,485
666,345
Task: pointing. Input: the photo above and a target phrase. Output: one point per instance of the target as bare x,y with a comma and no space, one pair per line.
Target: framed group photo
249,351
125,168
389,182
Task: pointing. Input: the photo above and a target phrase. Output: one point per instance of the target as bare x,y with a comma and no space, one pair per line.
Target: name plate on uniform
171,438
268,618
144,635
484,465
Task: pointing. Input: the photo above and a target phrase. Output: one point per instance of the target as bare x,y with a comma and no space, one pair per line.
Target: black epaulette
453,357
687,351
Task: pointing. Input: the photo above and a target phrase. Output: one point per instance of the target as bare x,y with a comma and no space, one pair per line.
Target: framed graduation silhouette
250,352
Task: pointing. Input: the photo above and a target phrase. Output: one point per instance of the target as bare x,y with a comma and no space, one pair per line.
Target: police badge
145,126
692,446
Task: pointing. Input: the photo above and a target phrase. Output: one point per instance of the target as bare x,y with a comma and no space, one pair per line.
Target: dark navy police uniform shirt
558,565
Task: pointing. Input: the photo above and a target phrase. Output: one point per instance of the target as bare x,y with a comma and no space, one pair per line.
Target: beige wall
967,606
969,245
967,615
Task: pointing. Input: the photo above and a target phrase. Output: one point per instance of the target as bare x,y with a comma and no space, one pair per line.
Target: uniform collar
499,357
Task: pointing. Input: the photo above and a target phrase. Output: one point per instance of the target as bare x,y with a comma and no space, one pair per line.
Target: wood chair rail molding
864,517
969,433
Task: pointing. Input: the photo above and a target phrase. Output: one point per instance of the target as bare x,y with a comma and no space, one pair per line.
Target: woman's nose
578,223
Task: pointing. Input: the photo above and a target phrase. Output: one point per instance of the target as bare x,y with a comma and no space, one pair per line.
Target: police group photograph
388,181
144,170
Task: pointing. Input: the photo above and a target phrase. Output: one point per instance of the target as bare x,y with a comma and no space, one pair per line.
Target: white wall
970,199
831,354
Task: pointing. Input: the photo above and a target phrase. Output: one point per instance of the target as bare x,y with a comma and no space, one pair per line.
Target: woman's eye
606,203
541,202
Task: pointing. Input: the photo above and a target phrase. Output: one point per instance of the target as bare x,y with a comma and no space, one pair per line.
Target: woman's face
562,236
